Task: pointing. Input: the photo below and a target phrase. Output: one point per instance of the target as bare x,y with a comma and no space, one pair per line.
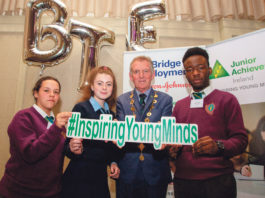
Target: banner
237,63
238,66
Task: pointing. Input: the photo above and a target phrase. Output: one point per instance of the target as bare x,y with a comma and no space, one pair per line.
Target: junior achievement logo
244,66
218,71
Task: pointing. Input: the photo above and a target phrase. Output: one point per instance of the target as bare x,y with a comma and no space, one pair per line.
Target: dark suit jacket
155,165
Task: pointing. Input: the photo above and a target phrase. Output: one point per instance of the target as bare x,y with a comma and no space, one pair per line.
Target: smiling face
102,87
197,72
141,75
48,95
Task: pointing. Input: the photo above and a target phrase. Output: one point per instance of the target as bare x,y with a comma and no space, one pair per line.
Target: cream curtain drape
186,10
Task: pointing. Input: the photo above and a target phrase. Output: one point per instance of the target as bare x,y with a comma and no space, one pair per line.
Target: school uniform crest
209,108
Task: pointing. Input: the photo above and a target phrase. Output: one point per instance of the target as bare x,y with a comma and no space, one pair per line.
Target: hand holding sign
76,146
114,171
205,145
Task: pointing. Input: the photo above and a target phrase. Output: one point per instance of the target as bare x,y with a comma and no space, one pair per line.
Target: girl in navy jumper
86,174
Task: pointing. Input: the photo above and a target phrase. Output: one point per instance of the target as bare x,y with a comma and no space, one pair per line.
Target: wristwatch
220,146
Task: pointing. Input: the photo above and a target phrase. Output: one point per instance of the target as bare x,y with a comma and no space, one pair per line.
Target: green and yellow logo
218,71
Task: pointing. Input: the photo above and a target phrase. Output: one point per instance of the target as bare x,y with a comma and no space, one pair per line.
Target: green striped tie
142,102
49,119
197,95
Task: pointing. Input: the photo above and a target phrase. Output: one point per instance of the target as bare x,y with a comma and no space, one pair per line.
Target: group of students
38,144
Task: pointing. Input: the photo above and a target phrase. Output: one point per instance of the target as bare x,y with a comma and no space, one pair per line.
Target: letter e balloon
138,34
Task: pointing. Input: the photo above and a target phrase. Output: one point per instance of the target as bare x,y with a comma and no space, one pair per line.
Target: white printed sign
237,63
165,132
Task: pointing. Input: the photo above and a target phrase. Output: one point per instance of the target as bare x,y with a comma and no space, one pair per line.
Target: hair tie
105,68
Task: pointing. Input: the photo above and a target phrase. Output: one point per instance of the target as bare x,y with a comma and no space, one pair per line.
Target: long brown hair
87,91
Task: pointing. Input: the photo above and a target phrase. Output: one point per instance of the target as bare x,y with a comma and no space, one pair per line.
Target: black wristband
220,146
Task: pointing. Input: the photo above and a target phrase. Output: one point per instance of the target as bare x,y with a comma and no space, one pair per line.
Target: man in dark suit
144,171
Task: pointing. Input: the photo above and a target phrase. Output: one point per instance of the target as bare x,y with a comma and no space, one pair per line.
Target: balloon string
42,69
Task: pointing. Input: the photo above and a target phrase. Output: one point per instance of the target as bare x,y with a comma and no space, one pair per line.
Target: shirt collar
206,91
97,106
41,112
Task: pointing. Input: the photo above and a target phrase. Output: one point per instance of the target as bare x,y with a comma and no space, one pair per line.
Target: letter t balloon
91,38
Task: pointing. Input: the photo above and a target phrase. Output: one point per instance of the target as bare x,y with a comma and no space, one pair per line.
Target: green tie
49,119
197,95
142,102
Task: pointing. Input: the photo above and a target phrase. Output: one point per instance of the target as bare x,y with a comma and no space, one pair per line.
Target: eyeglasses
199,68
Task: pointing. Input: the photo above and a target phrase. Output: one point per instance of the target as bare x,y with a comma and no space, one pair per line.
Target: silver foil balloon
34,33
92,38
138,34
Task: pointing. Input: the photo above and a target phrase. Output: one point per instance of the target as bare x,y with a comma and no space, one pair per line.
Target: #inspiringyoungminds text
164,132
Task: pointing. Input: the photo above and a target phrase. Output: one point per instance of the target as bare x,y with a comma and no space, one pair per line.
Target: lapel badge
146,120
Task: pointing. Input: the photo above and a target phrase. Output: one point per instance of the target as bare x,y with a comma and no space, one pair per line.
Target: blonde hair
142,58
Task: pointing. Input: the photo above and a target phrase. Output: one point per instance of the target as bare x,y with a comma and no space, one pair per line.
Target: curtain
182,10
